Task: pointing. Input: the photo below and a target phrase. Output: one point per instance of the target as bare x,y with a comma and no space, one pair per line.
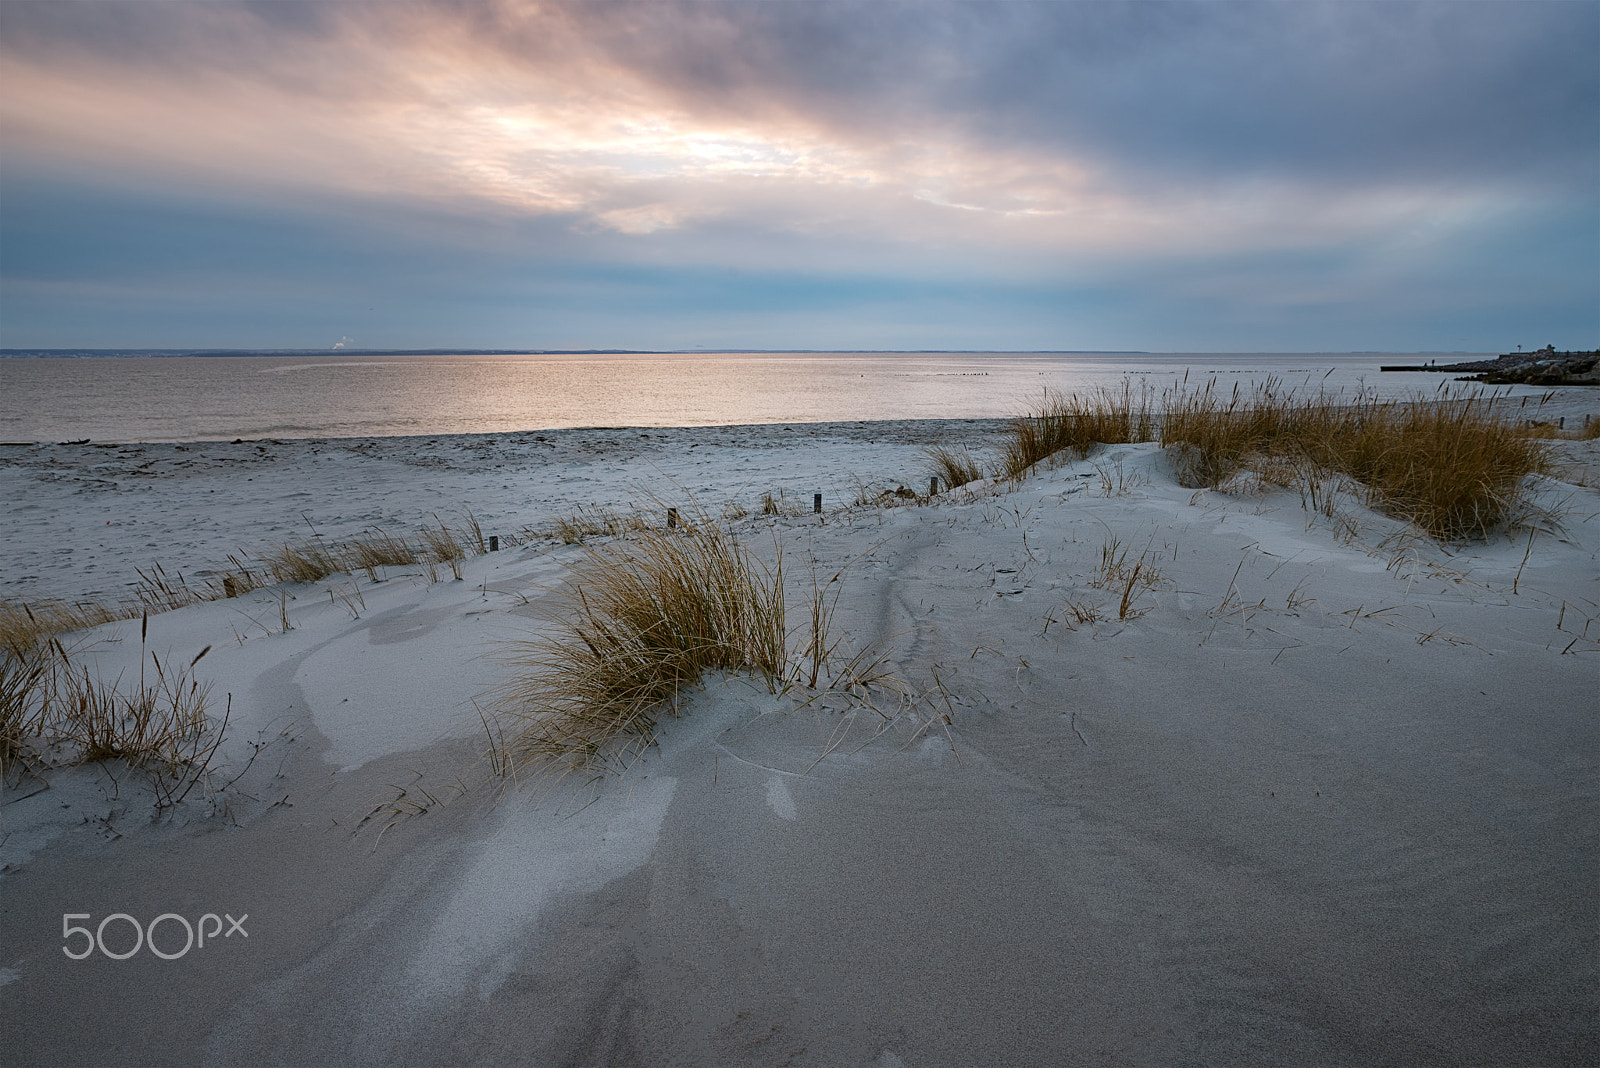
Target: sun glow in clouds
1001,148
595,143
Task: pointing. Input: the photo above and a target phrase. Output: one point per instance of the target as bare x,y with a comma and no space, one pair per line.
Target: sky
812,175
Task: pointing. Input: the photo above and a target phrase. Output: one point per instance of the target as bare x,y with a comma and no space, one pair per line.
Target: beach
87,515
1314,789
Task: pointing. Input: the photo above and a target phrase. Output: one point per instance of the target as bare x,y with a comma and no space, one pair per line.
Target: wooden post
494,543
816,503
1561,423
672,518
933,485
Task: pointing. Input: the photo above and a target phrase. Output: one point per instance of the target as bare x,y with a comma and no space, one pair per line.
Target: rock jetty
1542,367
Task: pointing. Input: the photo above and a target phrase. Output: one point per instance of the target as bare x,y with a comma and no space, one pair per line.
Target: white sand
1328,795
81,518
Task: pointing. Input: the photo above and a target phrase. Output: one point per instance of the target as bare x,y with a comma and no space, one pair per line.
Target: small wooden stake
494,543
816,503
933,485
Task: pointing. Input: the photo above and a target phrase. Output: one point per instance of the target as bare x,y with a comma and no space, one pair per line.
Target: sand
1326,794
81,518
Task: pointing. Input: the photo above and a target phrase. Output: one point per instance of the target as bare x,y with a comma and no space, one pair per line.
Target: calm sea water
198,398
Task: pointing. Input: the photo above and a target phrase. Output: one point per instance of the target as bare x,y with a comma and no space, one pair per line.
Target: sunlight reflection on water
348,395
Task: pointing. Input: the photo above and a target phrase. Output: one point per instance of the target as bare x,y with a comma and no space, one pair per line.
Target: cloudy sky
509,173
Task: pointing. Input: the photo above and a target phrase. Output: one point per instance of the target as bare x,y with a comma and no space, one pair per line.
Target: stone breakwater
1542,367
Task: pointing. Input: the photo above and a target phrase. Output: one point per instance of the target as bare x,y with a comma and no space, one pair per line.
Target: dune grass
25,627
376,548
30,654
472,534
305,562
588,523
644,619
160,592
442,544
1128,580
152,722
20,686
50,703
1448,465
238,580
24,673
1074,422
954,466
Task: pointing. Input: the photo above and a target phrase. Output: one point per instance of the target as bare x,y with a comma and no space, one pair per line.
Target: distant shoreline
24,354
87,353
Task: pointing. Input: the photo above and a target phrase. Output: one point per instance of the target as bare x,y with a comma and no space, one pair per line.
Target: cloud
1081,143
1397,89
641,117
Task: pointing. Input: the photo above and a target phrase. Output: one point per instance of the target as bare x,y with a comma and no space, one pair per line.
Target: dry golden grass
1077,423
159,726
238,580
377,548
1446,465
1129,581
25,628
160,592
154,723
1450,468
644,619
43,695
306,562
23,677
441,544
1210,436
1076,614
954,466
28,652
588,523
472,534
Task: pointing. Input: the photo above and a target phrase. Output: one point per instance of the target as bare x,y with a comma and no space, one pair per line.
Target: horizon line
159,352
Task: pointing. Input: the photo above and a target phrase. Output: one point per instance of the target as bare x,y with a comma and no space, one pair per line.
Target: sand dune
1318,791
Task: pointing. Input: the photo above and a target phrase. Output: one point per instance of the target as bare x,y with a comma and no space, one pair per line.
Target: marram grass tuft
644,619
1447,465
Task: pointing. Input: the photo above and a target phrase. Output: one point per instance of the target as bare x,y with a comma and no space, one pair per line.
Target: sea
353,394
